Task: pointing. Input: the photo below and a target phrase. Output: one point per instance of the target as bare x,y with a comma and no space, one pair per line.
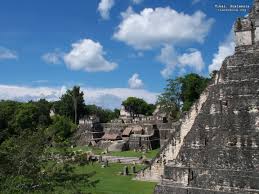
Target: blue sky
111,48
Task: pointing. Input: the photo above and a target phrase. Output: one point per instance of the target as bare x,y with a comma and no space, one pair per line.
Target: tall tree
76,97
181,93
192,85
43,107
170,100
71,104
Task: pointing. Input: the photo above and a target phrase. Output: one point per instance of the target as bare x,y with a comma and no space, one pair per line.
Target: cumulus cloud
135,82
104,8
193,59
137,1
7,54
225,49
159,26
105,97
172,60
24,93
55,57
129,11
98,95
88,55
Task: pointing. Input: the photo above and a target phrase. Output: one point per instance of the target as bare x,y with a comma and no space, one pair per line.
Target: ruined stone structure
247,28
142,132
215,150
89,131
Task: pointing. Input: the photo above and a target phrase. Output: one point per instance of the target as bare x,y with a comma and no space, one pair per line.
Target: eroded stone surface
220,153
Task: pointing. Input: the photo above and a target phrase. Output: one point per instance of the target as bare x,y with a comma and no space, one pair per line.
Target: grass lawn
150,154
110,182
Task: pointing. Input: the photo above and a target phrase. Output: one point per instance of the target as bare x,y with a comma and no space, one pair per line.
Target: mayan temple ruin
216,148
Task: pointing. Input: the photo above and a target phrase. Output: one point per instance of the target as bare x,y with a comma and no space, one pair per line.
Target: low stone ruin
138,133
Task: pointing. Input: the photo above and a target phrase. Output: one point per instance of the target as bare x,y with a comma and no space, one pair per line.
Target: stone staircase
170,150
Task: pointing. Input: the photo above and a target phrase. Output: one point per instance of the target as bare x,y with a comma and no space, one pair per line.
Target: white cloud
168,56
55,57
105,97
24,93
135,82
173,60
159,26
137,1
88,55
225,49
7,54
129,11
104,8
193,59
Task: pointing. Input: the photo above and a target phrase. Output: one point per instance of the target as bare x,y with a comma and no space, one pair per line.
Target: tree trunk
75,108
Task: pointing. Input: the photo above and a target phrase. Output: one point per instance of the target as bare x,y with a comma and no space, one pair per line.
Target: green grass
150,154
110,182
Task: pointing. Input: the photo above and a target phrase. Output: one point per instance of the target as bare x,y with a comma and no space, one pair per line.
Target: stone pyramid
220,153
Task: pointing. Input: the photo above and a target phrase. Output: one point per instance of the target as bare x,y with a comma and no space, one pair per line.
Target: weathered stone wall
87,133
220,154
171,149
243,38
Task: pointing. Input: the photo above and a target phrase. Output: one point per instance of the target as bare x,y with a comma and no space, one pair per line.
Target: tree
25,167
170,100
137,106
7,114
116,113
105,115
192,85
61,129
71,104
77,97
181,93
26,117
43,107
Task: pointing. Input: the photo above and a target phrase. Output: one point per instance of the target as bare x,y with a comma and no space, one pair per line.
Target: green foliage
43,107
116,113
181,93
170,99
61,128
7,114
26,117
25,167
105,115
138,106
71,104
192,85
